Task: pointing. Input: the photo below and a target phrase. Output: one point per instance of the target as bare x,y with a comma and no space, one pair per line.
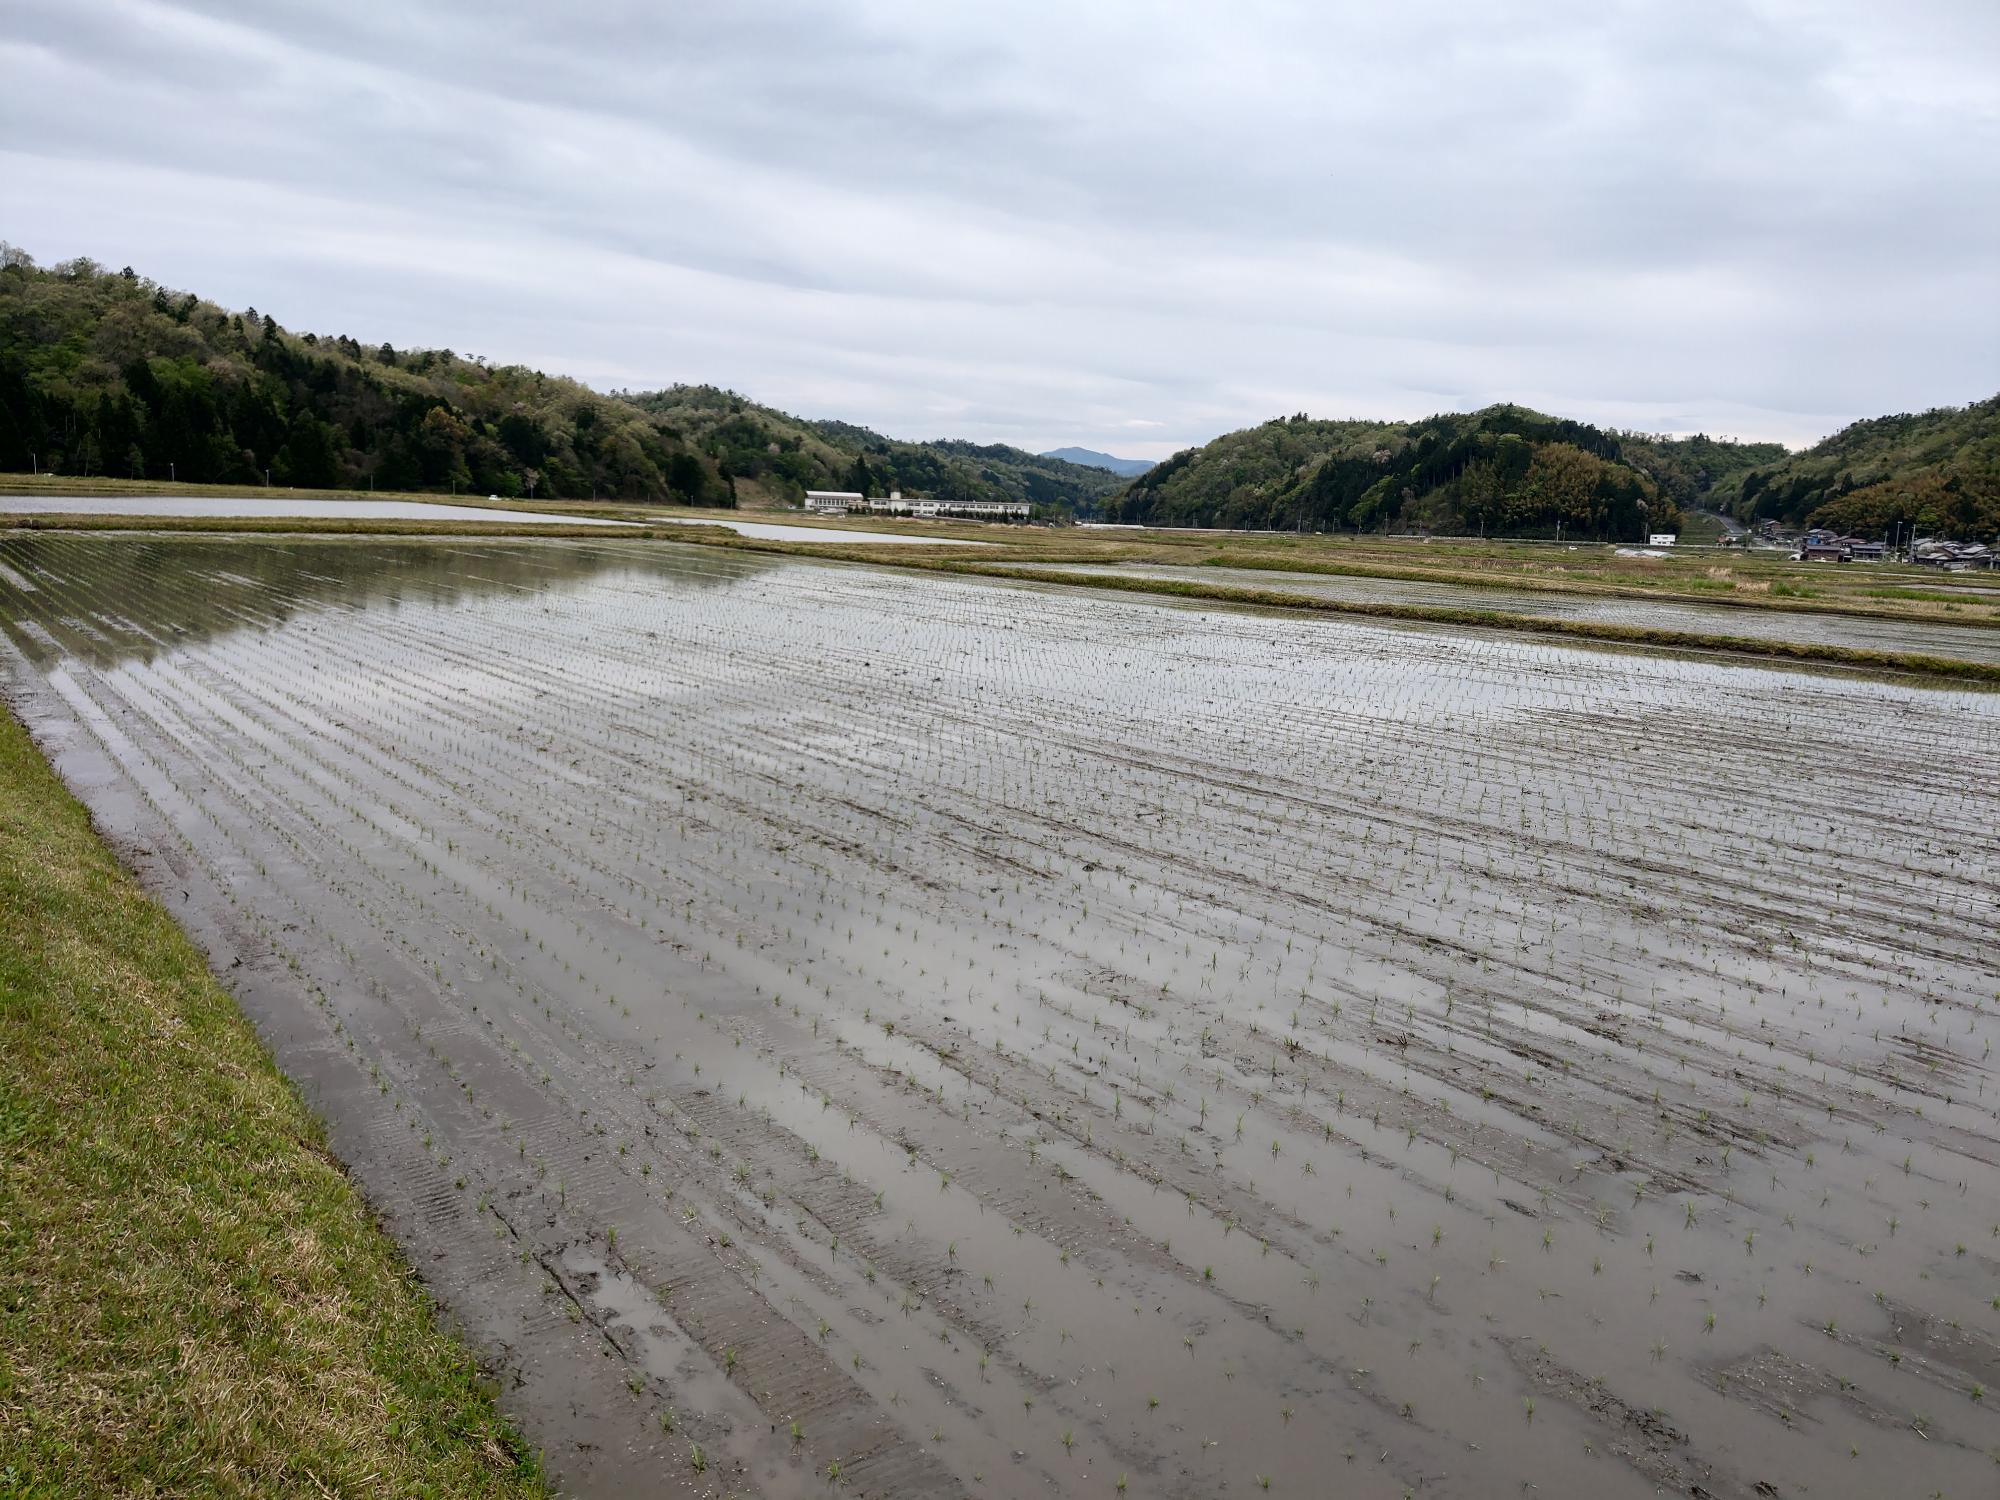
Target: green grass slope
193,1299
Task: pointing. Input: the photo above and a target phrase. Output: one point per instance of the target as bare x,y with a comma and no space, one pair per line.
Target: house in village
1821,545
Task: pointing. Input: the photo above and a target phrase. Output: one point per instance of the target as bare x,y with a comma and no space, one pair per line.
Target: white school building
840,502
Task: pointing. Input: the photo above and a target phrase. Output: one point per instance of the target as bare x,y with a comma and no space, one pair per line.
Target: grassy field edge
194,1298
1462,578
1631,635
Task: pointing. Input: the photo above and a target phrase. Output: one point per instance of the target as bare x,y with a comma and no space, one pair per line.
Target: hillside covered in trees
1690,470
1934,473
109,373
1504,471
783,456
1509,471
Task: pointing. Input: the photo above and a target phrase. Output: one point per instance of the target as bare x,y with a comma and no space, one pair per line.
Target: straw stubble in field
953,1036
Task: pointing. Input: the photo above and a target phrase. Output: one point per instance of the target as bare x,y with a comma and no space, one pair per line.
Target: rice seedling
945,956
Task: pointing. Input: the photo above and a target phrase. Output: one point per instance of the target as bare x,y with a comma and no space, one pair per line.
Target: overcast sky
1126,225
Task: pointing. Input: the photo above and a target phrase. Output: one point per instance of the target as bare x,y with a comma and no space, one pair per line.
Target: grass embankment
1630,635
1735,579
193,1298
1729,591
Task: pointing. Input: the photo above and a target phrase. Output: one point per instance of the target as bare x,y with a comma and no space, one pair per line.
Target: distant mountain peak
1090,458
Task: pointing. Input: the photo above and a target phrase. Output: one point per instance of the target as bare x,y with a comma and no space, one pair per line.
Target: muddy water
778,531
1965,642
1030,1039
233,507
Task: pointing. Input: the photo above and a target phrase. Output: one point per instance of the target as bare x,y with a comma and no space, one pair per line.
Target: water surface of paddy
1028,1036
250,507
778,531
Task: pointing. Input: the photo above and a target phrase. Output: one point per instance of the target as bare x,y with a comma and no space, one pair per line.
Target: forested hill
784,455
1936,472
1506,471
1131,468
109,373
1691,470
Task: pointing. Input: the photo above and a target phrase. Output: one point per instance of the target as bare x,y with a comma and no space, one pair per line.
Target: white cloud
1124,225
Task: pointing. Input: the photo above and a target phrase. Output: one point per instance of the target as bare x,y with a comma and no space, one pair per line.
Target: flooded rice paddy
778,531
948,1037
247,507
1973,642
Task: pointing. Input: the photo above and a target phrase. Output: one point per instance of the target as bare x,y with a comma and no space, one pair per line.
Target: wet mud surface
813,1024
